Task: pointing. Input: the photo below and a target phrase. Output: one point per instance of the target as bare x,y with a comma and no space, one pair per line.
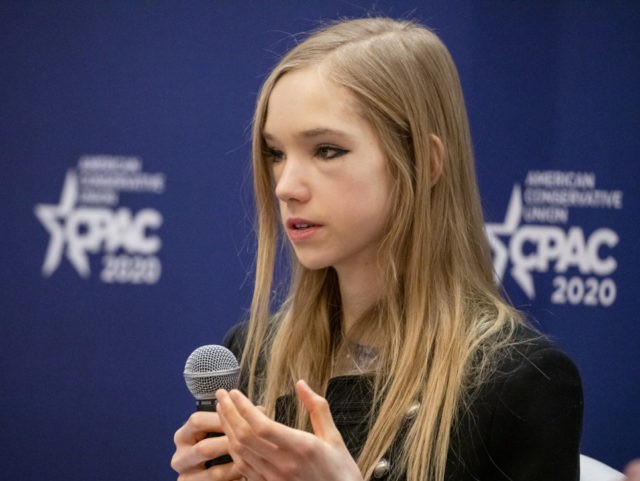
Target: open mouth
300,224
300,230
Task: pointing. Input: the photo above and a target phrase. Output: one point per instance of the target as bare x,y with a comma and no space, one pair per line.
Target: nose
292,181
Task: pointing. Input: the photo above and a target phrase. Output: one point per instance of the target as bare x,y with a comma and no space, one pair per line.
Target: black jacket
523,425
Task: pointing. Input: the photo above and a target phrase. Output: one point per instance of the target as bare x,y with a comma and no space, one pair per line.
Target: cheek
377,188
369,201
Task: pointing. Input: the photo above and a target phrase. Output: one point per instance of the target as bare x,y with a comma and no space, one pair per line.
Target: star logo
88,221
53,219
495,232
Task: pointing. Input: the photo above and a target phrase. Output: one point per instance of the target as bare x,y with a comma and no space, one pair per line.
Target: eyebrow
311,133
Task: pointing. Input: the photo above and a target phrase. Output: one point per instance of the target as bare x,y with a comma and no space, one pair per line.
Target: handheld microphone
208,369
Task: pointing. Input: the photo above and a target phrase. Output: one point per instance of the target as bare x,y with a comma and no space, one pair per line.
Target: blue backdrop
127,212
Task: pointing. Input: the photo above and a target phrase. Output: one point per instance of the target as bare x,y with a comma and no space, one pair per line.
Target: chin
313,264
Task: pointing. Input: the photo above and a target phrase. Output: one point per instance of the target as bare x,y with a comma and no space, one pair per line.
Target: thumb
319,413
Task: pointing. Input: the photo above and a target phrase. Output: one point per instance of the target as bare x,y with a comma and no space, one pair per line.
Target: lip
298,234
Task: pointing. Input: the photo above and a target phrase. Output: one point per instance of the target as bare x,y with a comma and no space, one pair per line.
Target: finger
245,446
220,472
246,465
319,414
265,448
187,458
196,428
284,448
233,417
633,469
223,472
254,415
272,434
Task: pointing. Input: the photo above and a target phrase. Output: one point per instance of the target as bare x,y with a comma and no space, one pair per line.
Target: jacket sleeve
537,420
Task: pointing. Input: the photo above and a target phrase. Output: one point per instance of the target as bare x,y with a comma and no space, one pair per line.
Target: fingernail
220,393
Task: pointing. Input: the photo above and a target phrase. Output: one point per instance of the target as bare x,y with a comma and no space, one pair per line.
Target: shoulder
525,421
534,367
536,410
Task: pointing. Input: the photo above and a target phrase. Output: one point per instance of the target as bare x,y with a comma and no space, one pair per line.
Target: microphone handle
210,405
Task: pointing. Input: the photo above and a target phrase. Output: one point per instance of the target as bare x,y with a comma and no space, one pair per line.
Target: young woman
363,168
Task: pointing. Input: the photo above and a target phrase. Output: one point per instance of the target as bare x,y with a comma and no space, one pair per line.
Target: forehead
307,99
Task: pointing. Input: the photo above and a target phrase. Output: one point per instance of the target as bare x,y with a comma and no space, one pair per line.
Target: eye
273,155
328,152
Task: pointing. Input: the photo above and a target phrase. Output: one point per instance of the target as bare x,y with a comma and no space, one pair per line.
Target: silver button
412,412
381,468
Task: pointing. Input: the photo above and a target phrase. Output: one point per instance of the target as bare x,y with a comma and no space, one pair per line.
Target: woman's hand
632,471
264,450
193,449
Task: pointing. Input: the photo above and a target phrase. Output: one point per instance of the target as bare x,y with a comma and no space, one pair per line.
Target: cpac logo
77,231
533,248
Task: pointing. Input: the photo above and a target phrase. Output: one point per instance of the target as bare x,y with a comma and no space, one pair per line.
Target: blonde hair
439,306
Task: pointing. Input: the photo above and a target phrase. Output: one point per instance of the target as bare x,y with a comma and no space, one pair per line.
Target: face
331,176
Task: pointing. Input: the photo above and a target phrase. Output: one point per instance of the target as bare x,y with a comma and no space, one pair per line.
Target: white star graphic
52,218
509,225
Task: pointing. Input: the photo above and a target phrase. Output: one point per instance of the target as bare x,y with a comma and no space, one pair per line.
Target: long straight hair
439,306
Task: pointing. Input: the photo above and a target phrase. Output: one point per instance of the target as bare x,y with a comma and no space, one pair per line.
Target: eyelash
273,155
328,152
324,152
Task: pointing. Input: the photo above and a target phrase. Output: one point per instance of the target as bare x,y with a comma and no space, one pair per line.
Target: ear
436,153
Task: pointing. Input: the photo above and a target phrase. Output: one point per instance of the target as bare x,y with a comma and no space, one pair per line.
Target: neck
359,290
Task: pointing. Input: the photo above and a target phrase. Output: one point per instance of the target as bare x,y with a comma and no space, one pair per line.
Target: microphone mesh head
210,368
